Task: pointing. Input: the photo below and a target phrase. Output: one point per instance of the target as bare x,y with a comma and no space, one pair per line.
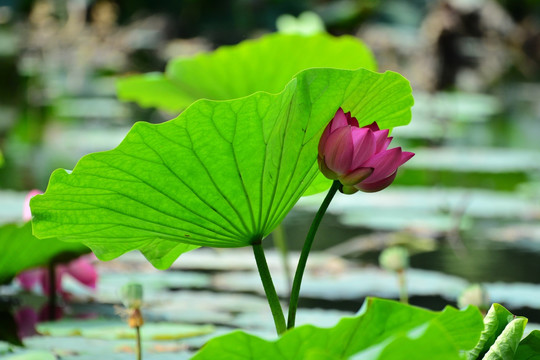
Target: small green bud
395,258
132,295
476,295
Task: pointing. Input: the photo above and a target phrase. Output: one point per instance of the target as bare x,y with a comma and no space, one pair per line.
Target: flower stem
138,349
297,282
403,295
269,289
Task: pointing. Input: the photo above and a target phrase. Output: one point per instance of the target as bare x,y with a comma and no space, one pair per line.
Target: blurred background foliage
59,60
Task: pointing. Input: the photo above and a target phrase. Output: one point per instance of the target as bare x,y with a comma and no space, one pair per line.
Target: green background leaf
529,348
20,250
222,174
264,64
495,321
507,343
385,329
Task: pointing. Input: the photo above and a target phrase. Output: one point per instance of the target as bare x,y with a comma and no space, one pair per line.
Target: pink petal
29,278
26,319
377,185
384,163
382,140
348,189
82,270
364,146
27,215
356,176
339,121
405,156
351,120
325,170
45,312
339,150
323,140
373,126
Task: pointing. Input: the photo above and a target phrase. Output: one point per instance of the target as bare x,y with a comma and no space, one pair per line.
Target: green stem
138,350
403,295
281,244
297,282
269,289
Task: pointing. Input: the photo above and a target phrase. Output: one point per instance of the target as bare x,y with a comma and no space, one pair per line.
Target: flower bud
132,295
475,295
358,156
394,258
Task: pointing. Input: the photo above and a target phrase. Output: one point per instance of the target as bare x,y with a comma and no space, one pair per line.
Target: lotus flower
358,156
80,269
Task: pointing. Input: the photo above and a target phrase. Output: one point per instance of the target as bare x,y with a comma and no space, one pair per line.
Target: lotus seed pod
394,258
132,295
475,295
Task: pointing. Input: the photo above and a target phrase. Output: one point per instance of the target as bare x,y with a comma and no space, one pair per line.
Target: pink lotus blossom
80,269
358,156
27,215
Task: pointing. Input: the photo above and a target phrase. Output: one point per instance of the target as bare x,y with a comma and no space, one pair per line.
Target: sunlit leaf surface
385,330
529,348
494,324
222,174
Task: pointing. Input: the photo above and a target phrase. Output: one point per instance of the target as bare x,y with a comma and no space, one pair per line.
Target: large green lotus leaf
384,329
507,342
20,250
222,174
264,64
495,322
529,348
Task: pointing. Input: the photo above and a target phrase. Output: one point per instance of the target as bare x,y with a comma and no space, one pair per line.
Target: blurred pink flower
27,318
80,269
27,215
358,156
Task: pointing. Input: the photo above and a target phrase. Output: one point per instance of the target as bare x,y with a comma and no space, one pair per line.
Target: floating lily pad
31,355
335,286
154,283
81,348
116,329
406,207
468,159
210,307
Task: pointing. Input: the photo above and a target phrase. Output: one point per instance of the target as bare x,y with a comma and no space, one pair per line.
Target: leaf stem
138,349
403,294
297,282
269,289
